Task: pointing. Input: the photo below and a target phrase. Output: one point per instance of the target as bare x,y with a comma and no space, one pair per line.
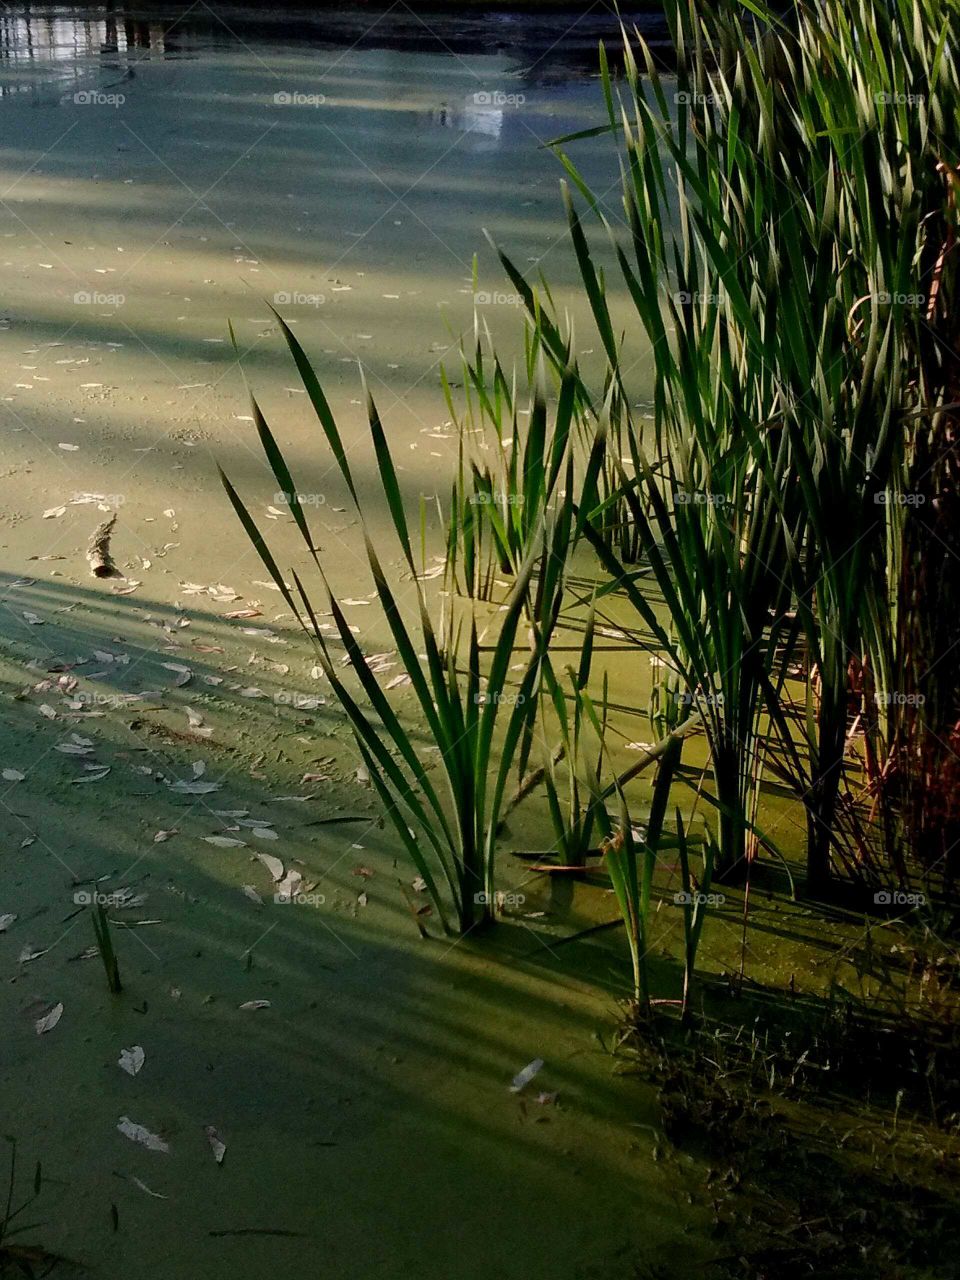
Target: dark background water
557,42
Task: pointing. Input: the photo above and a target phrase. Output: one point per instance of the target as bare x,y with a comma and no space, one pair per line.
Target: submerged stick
682,731
557,868
98,553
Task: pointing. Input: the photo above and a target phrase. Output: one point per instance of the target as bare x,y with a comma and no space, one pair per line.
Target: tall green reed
476,713
509,475
778,195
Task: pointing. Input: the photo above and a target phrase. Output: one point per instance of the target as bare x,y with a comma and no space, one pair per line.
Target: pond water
161,177
161,174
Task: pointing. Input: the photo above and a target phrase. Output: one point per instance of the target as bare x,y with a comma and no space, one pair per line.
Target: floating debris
98,553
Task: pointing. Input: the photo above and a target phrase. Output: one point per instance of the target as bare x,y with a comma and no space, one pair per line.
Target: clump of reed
788,194
476,713
782,193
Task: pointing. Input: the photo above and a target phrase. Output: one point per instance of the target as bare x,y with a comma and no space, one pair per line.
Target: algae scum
299,1070
180,760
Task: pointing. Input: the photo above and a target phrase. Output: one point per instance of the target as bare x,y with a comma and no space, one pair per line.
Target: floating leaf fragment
49,1020
143,1187
273,865
217,1144
289,886
523,1078
131,1060
137,1133
194,788
184,674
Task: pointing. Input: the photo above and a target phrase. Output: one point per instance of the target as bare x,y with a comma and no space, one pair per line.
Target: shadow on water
374,1088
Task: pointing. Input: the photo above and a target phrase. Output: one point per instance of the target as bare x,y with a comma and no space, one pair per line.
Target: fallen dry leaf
217,1144
194,788
49,1020
131,1060
523,1078
273,865
137,1133
143,1187
92,777
290,885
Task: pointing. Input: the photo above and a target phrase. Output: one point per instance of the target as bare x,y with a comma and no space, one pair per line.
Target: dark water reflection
541,46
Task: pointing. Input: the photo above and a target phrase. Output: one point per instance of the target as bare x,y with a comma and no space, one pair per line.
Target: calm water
173,172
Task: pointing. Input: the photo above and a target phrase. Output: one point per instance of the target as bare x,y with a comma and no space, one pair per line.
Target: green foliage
476,715
788,194
782,193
